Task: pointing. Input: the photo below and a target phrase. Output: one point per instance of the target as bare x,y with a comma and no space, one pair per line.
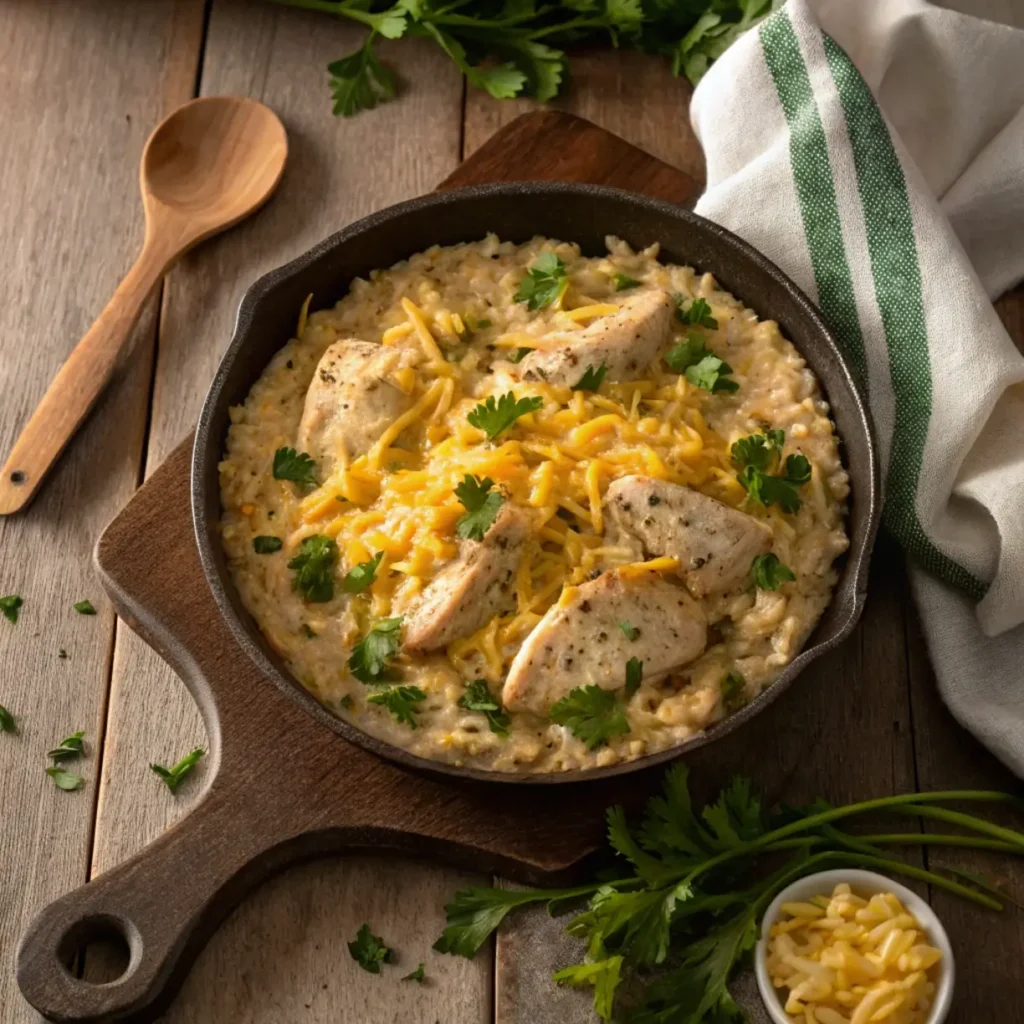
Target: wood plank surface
82,83
282,956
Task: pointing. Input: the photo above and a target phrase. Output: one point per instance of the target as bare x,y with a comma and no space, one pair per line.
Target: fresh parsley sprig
295,466
693,892
369,950
769,573
755,455
478,698
482,505
592,714
698,312
313,566
623,282
266,545
402,701
544,283
362,575
493,417
591,379
702,368
175,775
370,659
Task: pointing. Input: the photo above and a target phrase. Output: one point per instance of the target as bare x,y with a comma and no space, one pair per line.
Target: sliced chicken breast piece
626,342
579,641
715,544
350,403
472,588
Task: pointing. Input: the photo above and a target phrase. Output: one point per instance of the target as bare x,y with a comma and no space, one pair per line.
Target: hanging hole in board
98,950
18,477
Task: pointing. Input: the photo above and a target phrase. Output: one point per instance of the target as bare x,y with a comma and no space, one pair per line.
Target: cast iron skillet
584,214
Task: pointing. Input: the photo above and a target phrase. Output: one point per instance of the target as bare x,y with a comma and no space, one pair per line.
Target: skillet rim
209,444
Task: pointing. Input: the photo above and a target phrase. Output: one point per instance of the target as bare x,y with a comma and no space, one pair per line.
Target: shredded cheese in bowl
850,958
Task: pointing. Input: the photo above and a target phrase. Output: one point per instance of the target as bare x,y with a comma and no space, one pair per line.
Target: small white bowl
866,884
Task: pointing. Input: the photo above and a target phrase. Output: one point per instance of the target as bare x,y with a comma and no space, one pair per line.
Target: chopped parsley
519,355
754,456
634,676
734,691
307,631
347,702
264,545
9,607
416,975
591,379
173,776
702,368
624,281
402,701
71,747
478,698
544,283
493,417
369,659
65,780
357,579
631,631
698,313
769,573
368,950
84,608
295,466
314,568
591,714
481,504
7,723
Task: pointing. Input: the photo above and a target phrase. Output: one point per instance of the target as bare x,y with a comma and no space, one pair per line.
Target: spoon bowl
206,166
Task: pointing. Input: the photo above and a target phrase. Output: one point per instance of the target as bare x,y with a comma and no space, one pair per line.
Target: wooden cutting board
284,787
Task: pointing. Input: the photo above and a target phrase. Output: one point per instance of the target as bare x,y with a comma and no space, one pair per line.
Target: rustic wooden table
82,82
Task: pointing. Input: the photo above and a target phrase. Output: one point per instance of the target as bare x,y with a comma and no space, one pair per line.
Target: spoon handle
79,383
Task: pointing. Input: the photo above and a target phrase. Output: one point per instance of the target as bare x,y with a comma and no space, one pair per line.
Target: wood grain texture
70,224
338,170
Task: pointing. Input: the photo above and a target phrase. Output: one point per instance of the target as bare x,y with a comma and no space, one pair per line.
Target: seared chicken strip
626,342
350,402
580,641
715,544
471,589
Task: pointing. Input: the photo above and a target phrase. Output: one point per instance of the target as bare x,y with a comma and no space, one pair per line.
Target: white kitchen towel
874,149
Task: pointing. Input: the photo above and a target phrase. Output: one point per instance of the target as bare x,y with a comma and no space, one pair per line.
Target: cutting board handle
165,903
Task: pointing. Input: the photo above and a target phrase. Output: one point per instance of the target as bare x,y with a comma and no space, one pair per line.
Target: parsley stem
899,839
1006,835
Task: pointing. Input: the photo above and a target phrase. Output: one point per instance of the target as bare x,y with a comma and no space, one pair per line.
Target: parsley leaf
698,312
492,418
84,608
9,607
544,283
360,81
70,748
624,281
591,379
634,676
519,355
314,568
357,579
402,701
264,545
478,698
368,950
591,714
416,975
295,466
734,688
7,723
604,975
173,776
65,780
755,455
481,504
631,631
769,573
369,659
702,368
307,631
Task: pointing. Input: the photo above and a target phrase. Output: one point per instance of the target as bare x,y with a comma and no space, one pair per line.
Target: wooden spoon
205,167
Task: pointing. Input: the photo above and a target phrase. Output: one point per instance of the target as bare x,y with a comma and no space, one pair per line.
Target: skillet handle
165,903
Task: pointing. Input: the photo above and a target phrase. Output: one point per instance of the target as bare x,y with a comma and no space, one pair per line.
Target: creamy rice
553,463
